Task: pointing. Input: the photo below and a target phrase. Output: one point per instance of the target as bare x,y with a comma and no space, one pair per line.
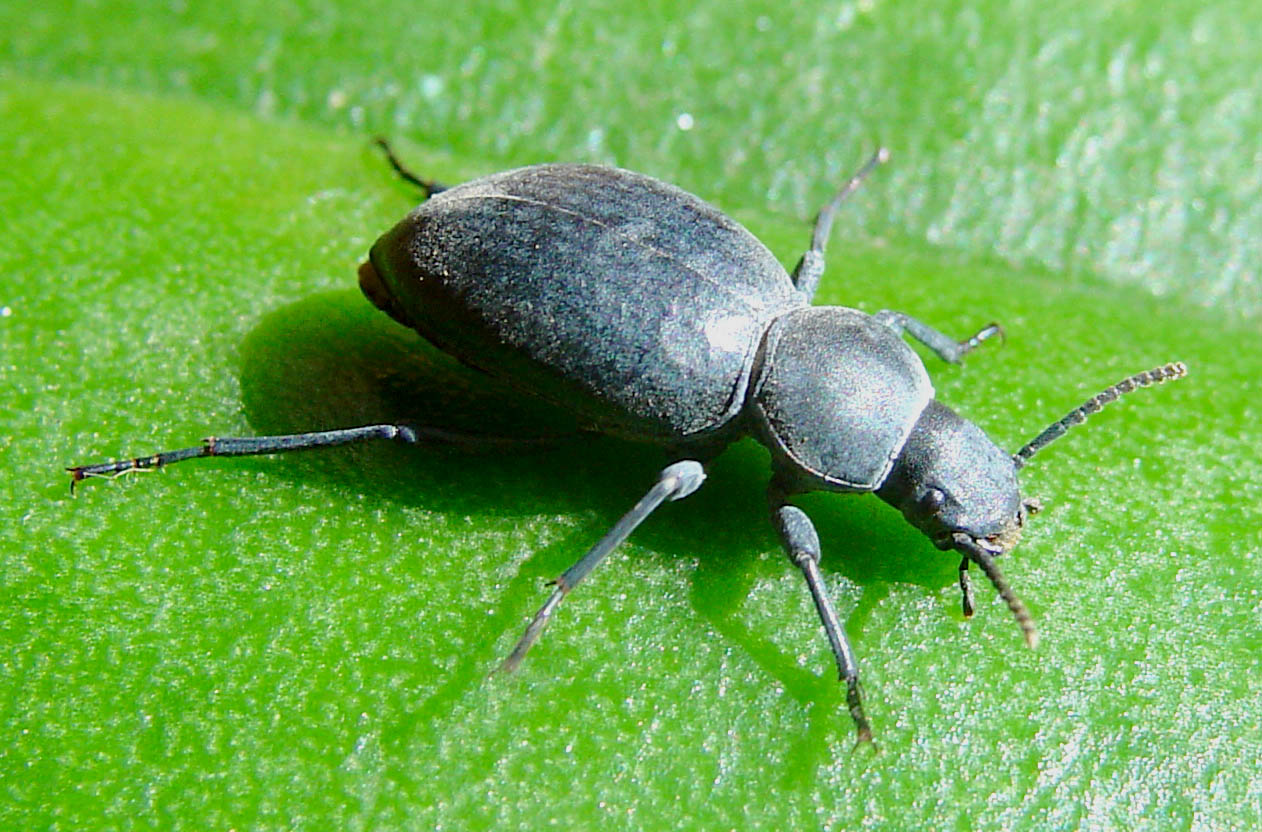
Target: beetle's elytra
655,317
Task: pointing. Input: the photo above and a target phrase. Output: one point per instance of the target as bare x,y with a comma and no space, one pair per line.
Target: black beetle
656,318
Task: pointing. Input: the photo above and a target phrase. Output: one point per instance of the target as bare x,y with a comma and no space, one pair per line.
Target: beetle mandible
657,318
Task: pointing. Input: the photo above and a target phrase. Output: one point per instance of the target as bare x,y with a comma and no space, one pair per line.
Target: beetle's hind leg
428,186
943,345
674,483
257,445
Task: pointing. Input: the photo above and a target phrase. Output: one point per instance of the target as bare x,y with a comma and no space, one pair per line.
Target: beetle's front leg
801,544
943,345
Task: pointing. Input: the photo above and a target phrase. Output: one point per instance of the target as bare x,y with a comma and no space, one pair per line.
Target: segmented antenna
975,552
1056,430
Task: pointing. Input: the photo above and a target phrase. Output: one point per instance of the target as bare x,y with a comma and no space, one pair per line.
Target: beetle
656,318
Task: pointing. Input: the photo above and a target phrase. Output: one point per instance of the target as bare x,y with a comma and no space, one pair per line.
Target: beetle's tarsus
533,630
942,345
854,703
987,332
117,468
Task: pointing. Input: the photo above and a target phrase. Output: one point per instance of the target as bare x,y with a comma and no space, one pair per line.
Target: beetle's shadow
332,361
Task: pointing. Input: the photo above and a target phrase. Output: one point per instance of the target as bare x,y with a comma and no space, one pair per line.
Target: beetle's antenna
1078,415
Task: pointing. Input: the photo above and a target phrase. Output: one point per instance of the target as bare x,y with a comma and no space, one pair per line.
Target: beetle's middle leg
801,544
943,345
674,483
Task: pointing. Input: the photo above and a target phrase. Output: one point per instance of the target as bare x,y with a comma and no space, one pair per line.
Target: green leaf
304,642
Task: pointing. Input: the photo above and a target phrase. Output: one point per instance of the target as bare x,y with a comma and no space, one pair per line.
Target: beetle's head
955,485
951,482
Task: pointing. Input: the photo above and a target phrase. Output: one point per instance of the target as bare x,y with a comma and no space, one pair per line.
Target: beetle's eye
932,500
